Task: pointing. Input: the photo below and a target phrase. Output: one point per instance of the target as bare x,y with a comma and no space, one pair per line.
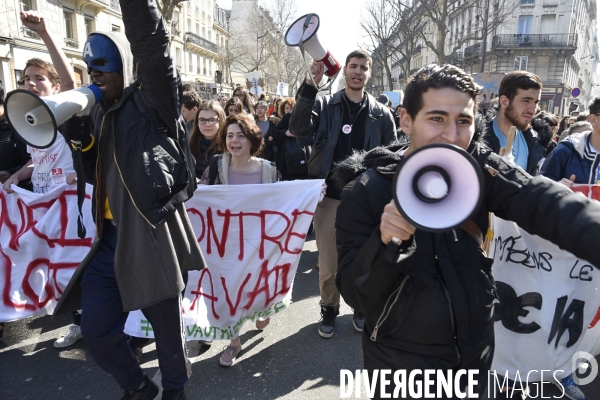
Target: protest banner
39,248
283,89
252,238
548,302
251,235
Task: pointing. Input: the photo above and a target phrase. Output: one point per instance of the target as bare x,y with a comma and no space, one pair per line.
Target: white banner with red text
548,305
39,248
252,238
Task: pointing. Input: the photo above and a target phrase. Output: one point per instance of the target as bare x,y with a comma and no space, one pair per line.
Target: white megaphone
438,187
36,119
304,30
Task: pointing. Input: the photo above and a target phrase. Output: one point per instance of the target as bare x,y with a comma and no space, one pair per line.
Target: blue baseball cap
100,53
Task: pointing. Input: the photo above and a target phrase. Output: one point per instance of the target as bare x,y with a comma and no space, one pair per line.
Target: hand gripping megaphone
438,187
36,119
303,33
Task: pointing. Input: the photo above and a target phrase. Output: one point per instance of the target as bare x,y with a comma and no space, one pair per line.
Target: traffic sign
575,92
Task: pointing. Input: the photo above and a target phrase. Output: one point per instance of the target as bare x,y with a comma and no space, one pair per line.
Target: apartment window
197,29
527,2
190,62
521,63
89,25
27,5
116,28
69,21
189,24
176,20
525,24
178,57
210,35
203,32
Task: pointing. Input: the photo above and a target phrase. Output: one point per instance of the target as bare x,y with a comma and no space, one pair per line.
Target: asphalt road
288,360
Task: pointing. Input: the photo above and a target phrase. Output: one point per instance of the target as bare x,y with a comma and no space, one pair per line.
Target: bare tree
257,44
392,30
166,8
444,17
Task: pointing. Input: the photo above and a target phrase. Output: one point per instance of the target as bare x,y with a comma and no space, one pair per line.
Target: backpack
296,158
213,169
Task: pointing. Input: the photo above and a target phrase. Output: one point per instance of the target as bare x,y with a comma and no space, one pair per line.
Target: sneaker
571,389
358,320
260,325
173,395
231,352
148,391
73,335
327,325
207,342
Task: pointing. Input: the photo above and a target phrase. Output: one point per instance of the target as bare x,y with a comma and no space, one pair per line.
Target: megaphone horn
304,31
438,187
36,119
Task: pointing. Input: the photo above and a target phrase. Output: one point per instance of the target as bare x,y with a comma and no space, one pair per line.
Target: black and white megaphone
36,119
303,33
438,187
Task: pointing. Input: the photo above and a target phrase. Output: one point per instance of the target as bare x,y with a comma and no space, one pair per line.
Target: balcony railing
72,42
174,30
538,40
456,58
527,2
200,41
114,4
473,50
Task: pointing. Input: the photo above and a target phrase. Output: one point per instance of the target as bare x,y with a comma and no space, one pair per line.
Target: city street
288,360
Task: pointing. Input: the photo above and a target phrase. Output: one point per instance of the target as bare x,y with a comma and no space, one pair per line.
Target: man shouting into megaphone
428,297
136,152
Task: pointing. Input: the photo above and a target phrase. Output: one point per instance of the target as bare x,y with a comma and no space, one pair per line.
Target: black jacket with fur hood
428,303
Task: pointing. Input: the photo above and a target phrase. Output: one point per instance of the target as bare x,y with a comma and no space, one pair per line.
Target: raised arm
35,22
149,40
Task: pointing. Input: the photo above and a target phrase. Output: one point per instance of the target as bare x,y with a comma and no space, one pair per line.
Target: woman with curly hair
239,141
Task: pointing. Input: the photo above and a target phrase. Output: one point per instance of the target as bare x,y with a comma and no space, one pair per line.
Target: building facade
199,29
555,39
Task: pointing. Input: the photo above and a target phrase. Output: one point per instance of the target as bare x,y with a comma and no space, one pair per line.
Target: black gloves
78,129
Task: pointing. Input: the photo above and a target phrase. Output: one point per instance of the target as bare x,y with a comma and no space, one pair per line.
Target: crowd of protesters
247,139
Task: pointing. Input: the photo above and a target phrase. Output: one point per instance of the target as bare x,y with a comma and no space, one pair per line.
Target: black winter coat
322,119
438,287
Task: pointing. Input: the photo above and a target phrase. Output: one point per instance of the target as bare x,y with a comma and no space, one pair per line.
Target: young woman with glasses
209,118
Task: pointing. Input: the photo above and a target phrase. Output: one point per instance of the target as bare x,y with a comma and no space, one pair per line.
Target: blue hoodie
572,156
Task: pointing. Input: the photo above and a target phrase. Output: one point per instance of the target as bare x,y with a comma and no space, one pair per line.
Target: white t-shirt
51,166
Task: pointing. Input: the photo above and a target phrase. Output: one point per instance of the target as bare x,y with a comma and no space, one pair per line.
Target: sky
334,14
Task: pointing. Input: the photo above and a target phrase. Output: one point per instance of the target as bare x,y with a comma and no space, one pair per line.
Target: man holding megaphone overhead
52,166
427,290
347,121
136,153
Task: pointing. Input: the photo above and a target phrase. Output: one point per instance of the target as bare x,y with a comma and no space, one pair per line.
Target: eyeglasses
211,121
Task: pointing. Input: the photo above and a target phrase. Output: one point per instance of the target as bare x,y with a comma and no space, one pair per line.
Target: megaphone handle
301,46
